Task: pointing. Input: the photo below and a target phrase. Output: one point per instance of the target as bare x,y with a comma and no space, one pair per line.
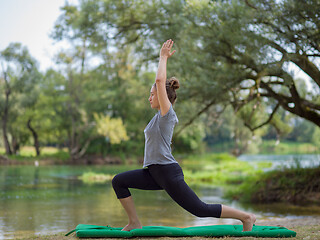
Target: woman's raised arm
161,76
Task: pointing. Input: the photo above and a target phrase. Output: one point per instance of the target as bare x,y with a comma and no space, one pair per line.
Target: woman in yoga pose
161,171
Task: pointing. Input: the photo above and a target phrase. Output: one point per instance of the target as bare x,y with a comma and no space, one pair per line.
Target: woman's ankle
248,222
134,222
132,225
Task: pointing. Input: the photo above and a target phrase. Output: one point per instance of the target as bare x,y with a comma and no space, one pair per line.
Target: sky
30,23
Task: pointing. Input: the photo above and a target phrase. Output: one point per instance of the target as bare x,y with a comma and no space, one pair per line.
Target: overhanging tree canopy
236,52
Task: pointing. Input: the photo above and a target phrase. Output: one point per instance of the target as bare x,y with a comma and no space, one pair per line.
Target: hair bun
174,83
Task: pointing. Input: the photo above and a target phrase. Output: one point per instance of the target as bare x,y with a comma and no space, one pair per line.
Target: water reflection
45,200
285,161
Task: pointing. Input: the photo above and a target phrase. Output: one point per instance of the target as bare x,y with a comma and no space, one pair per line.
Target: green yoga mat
94,231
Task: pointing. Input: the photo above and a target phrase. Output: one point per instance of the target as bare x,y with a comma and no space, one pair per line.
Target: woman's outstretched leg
170,178
247,219
128,205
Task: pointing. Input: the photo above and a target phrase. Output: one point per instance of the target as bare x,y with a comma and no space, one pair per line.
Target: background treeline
235,61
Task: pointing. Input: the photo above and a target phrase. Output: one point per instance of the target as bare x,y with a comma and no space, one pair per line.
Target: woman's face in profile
153,99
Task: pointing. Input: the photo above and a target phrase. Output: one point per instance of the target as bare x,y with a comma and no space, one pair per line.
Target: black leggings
170,178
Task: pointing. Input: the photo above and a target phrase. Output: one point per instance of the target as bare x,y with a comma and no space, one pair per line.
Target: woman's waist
172,170
158,160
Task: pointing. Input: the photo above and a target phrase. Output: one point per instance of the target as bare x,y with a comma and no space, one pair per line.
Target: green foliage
251,183
303,131
316,137
91,177
287,147
113,129
19,94
190,139
47,153
239,50
288,185
232,61
217,169
209,158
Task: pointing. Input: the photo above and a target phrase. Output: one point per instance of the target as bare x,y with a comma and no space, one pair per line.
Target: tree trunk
4,123
74,146
78,150
15,145
35,137
5,137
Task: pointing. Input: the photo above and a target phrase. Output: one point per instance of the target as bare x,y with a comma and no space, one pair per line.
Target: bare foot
248,222
131,226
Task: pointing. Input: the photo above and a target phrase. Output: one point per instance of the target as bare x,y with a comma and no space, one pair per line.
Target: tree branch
307,66
237,105
195,117
301,61
252,129
250,5
307,113
313,55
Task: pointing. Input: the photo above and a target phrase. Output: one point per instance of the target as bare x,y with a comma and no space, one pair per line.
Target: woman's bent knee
119,187
115,181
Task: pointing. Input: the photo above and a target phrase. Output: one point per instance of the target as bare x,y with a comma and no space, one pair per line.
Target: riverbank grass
294,185
28,153
271,147
254,182
220,169
287,147
92,177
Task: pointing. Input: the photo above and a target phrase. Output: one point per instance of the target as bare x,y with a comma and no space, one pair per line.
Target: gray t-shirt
158,135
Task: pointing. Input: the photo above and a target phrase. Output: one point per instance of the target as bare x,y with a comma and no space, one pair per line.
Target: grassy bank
249,182
270,147
28,154
303,232
55,156
92,177
219,169
296,185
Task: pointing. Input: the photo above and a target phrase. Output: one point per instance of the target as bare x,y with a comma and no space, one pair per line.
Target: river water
50,199
285,161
